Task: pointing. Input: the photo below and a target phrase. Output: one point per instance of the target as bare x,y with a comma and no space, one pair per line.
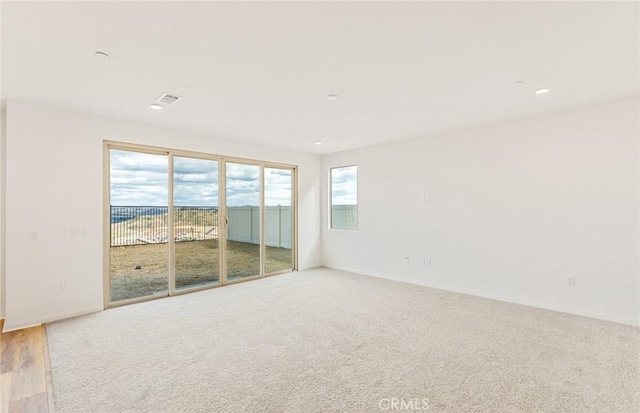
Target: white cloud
344,185
243,184
140,179
277,187
195,182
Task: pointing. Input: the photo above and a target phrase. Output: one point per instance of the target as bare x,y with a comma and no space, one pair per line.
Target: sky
140,179
344,185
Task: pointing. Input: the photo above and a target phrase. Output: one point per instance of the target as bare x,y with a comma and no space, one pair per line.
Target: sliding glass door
243,216
195,222
278,196
138,248
181,221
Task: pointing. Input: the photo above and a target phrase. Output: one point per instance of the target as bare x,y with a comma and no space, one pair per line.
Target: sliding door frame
107,147
222,218
263,232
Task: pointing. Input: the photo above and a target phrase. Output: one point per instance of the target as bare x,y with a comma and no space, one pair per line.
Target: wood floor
25,380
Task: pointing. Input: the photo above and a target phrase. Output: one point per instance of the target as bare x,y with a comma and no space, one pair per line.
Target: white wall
516,207
54,181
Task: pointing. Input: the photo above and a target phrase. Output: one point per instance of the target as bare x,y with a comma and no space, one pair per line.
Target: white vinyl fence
244,225
344,216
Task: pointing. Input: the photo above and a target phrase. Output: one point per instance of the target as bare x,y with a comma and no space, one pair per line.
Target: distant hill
126,213
144,225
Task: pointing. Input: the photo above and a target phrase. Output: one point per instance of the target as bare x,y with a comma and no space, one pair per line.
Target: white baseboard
311,266
483,294
11,325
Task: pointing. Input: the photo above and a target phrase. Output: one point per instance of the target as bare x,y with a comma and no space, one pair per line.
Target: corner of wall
3,140
518,205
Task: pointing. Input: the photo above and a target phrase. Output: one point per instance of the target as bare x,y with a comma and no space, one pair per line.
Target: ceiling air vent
168,99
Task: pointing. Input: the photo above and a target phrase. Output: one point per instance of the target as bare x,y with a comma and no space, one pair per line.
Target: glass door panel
278,197
138,250
243,215
195,222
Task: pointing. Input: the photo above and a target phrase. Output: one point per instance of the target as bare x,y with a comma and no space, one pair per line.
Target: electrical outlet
34,235
426,262
407,259
571,280
64,284
78,233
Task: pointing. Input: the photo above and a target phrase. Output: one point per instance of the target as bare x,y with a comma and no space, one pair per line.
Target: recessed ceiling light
102,54
542,91
155,106
332,97
318,142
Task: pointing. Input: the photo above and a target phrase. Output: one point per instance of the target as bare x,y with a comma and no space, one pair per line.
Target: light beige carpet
330,341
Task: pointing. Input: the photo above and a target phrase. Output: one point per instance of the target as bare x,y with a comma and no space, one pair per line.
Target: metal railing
137,225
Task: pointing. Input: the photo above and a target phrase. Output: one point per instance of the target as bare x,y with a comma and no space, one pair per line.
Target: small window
344,197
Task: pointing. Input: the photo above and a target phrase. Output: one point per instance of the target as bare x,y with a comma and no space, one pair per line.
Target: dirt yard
140,270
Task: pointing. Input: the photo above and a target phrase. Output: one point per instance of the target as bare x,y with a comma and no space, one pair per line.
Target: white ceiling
260,72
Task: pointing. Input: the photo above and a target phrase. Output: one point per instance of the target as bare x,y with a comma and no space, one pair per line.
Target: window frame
330,204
